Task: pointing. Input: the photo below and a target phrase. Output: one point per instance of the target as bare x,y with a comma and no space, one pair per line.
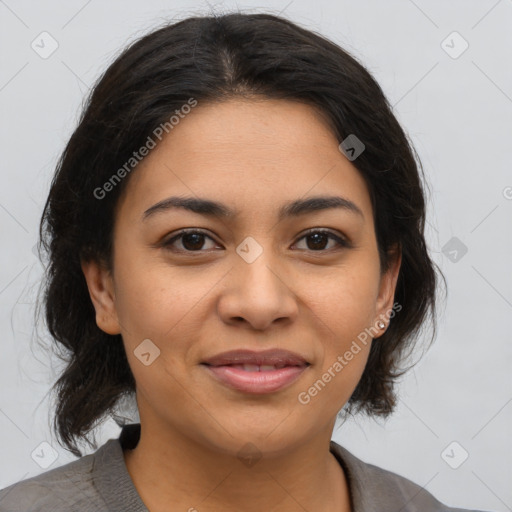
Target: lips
269,358
256,372
257,367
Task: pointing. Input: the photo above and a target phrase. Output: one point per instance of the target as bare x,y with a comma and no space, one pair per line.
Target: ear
101,289
387,287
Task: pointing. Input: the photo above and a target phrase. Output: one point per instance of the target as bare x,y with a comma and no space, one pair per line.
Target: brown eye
189,241
193,241
318,240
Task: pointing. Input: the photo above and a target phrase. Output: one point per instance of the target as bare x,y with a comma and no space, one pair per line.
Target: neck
177,472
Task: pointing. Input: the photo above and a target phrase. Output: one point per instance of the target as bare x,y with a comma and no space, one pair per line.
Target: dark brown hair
214,58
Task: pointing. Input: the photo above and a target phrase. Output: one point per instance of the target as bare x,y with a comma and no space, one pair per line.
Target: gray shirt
100,482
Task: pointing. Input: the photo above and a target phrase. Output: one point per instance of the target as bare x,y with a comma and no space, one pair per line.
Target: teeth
258,368
251,367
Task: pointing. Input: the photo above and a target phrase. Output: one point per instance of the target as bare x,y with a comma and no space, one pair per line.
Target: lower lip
256,382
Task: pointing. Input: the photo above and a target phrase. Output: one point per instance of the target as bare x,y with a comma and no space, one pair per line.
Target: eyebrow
215,209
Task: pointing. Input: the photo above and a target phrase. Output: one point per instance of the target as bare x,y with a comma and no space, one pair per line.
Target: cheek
154,299
341,314
343,306
344,298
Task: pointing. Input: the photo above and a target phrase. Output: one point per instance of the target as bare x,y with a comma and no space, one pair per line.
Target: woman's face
253,279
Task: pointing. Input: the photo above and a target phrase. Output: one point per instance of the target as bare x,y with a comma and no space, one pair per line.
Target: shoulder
66,488
377,489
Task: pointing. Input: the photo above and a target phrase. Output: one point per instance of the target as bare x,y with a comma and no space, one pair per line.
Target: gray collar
371,488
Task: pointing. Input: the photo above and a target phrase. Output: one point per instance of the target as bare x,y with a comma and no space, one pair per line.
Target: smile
255,379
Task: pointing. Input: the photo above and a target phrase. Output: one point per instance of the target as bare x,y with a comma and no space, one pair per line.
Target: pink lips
256,372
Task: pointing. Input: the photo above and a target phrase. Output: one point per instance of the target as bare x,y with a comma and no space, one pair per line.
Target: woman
235,236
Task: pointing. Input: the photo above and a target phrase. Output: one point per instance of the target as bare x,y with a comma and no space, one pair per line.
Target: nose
257,295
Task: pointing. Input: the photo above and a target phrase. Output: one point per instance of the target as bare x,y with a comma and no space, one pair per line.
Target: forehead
253,154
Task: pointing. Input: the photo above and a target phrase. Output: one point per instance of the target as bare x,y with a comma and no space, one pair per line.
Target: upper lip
267,357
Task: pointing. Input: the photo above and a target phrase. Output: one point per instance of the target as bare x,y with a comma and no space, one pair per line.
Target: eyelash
341,241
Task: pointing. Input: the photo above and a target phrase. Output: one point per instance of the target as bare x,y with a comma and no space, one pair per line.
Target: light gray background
458,113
